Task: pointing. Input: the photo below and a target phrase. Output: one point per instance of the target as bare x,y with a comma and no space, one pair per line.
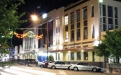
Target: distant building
74,30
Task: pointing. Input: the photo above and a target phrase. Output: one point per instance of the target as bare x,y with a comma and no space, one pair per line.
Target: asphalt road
25,70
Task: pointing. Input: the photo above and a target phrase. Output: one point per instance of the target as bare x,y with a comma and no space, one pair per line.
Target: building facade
74,30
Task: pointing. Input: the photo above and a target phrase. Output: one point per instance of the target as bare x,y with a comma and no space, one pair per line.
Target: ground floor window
58,56
93,56
85,55
78,55
72,56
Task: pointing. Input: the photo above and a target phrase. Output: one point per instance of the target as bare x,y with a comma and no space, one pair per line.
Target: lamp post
100,25
44,16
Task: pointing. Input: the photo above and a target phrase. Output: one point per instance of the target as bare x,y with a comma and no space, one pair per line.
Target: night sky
40,7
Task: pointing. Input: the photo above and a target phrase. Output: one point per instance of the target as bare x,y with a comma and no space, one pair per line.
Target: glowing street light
34,17
44,15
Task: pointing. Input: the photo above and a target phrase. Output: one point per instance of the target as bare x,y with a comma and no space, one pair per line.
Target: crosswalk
24,71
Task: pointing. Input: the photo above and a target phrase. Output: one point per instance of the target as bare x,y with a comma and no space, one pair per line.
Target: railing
114,68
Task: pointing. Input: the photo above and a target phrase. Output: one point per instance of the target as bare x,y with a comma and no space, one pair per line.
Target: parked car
84,66
59,64
44,63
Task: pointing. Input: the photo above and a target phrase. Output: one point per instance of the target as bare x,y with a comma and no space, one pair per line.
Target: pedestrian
110,69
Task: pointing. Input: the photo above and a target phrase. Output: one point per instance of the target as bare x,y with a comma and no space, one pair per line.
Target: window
72,56
66,20
92,15
72,18
116,12
78,26
104,27
116,17
85,13
110,11
78,55
93,56
79,63
85,33
72,26
58,56
85,55
104,19
78,31
116,22
110,21
93,31
104,10
66,37
72,35
78,15
57,62
78,34
66,28
85,23
63,63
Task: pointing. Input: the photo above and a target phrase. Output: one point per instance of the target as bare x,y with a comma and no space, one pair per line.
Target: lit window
66,38
66,20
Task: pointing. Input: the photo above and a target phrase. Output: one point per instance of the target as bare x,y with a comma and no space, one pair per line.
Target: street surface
25,70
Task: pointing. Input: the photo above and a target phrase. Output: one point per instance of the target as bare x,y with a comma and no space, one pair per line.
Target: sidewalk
113,73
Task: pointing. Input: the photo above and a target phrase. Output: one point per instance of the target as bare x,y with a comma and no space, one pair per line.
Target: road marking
25,71
62,72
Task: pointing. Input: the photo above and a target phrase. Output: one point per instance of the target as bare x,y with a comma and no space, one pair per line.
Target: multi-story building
75,29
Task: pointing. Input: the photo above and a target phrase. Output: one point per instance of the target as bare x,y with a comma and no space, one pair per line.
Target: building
74,30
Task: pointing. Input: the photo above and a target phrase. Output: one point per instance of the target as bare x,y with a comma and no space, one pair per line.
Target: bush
51,58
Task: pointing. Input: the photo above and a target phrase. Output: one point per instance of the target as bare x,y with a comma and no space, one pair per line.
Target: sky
40,7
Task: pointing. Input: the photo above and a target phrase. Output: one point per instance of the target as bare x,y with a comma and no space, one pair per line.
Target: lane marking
62,72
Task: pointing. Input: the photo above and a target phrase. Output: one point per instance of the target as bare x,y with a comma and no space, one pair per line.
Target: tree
102,51
113,43
9,22
51,58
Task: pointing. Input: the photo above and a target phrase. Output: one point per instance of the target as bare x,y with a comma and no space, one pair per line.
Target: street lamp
34,17
44,16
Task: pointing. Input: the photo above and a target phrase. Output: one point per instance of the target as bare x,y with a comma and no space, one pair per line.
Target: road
25,70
